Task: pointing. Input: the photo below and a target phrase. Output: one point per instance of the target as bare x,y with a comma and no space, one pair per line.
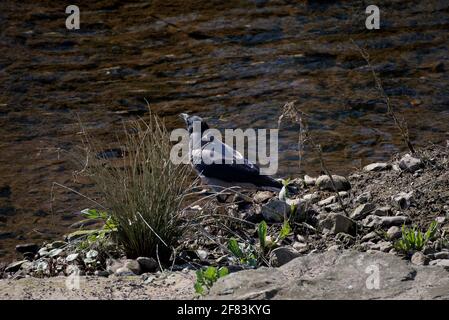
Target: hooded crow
230,172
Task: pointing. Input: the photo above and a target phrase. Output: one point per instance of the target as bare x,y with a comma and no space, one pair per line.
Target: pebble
341,183
378,166
309,181
336,223
362,211
275,210
327,201
382,211
149,264
403,200
419,259
282,255
72,257
123,271
376,221
369,236
133,265
394,232
363,198
263,196
300,247
409,163
440,262
442,255
311,197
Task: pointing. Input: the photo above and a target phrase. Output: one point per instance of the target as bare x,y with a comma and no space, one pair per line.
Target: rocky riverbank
394,214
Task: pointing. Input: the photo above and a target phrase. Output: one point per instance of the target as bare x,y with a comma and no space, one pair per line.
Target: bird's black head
190,120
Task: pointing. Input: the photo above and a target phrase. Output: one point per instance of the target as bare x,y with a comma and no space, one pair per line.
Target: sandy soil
176,285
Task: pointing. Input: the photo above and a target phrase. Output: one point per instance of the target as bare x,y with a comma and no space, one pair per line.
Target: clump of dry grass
142,190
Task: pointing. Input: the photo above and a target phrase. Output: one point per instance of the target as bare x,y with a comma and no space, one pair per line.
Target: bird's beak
184,116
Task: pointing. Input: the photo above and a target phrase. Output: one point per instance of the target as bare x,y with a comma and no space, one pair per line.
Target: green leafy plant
413,239
245,254
205,278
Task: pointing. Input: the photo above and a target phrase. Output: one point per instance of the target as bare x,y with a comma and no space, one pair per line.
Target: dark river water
236,63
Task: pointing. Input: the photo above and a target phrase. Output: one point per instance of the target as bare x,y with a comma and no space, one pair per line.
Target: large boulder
337,275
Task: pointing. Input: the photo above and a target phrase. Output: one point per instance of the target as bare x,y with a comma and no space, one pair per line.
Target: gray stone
311,197
336,275
72,257
112,265
327,201
43,252
147,264
384,222
362,211
334,247
301,247
133,265
419,259
394,232
123,272
282,255
275,210
55,253
336,223
442,255
363,198
341,183
382,211
309,181
370,236
440,262
378,166
263,196
409,163
383,246
403,200
28,247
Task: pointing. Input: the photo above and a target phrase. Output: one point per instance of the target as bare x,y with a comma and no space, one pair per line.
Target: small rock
300,238
72,257
362,211
378,166
382,211
440,262
112,265
327,201
309,181
101,273
369,236
394,232
133,265
336,223
202,254
403,200
28,247
409,163
147,264
385,222
311,197
419,259
442,255
15,266
282,255
54,253
341,183
363,198
275,210
334,247
263,196
300,247
123,272
43,252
